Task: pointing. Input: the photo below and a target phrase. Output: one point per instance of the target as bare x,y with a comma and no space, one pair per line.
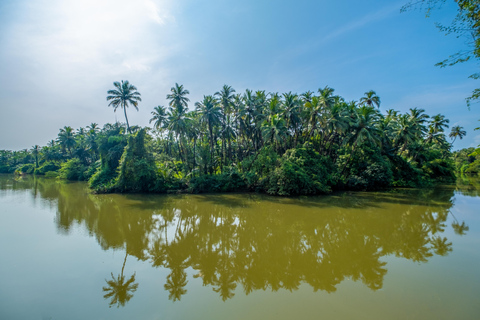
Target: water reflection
256,242
118,290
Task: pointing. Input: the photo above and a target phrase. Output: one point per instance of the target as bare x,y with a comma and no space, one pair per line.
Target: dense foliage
281,144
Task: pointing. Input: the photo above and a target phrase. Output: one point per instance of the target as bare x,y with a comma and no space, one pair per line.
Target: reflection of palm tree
440,246
460,229
176,281
119,290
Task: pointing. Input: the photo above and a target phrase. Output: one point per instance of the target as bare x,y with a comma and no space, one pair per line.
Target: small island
281,144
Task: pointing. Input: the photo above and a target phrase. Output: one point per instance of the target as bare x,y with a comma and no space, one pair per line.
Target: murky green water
68,254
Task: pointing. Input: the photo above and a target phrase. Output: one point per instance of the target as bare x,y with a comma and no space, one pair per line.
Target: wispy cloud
381,14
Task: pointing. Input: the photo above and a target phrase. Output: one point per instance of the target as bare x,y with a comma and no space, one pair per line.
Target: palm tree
178,99
438,123
370,99
225,97
210,115
159,117
124,95
66,138
291,105
35,152
366,129
457,131
274,131
178,122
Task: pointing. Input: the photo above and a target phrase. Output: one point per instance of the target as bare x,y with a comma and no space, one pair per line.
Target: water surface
69,254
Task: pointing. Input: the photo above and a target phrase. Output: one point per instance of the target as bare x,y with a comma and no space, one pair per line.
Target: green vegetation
280,144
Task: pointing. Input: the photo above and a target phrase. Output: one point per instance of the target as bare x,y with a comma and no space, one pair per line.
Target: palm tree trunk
124,261
125,111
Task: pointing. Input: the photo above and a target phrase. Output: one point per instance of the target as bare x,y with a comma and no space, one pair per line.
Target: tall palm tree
178,99
124,94
225,97
210,115
457,131
66,139
274,131
35,152
159,118
291,113
370,99
438,123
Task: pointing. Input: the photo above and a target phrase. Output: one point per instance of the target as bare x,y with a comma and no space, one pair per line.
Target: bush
26,168
51,174
376,176
72,170
440,169
47,166
137,170
302,171
225,182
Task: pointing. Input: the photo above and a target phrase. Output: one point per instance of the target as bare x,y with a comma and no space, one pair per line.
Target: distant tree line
282,144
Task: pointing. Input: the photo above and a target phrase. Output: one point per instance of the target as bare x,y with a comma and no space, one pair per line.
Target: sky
58,58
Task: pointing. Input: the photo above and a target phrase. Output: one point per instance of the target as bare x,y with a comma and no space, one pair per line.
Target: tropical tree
159,117
370,99
35,153
210,115
124,94
66,139
274,131
225,99
178,99
438,123
457,131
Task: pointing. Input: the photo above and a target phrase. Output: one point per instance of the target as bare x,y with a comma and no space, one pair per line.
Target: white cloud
62,56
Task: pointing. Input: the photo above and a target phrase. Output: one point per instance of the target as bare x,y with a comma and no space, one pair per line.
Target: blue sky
58,58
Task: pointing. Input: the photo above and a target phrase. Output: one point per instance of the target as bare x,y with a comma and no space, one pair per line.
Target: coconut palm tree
370,99
35,152
66,139
178,99
457,131
124,94
159,118
438,123
225,99
210,115
274,131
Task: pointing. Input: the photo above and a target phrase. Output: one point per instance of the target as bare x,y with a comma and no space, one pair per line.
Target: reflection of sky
59,57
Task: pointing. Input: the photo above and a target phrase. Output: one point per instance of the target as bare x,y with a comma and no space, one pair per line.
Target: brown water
68,254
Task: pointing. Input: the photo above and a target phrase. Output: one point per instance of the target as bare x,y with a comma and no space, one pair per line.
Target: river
404,254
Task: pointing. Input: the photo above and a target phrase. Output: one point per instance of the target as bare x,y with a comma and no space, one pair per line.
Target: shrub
51,174
26,168
302,171
225,182
47,166
72,170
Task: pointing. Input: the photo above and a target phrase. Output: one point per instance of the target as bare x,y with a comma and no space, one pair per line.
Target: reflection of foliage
460,229
176,281
120,291
256,242
441,246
